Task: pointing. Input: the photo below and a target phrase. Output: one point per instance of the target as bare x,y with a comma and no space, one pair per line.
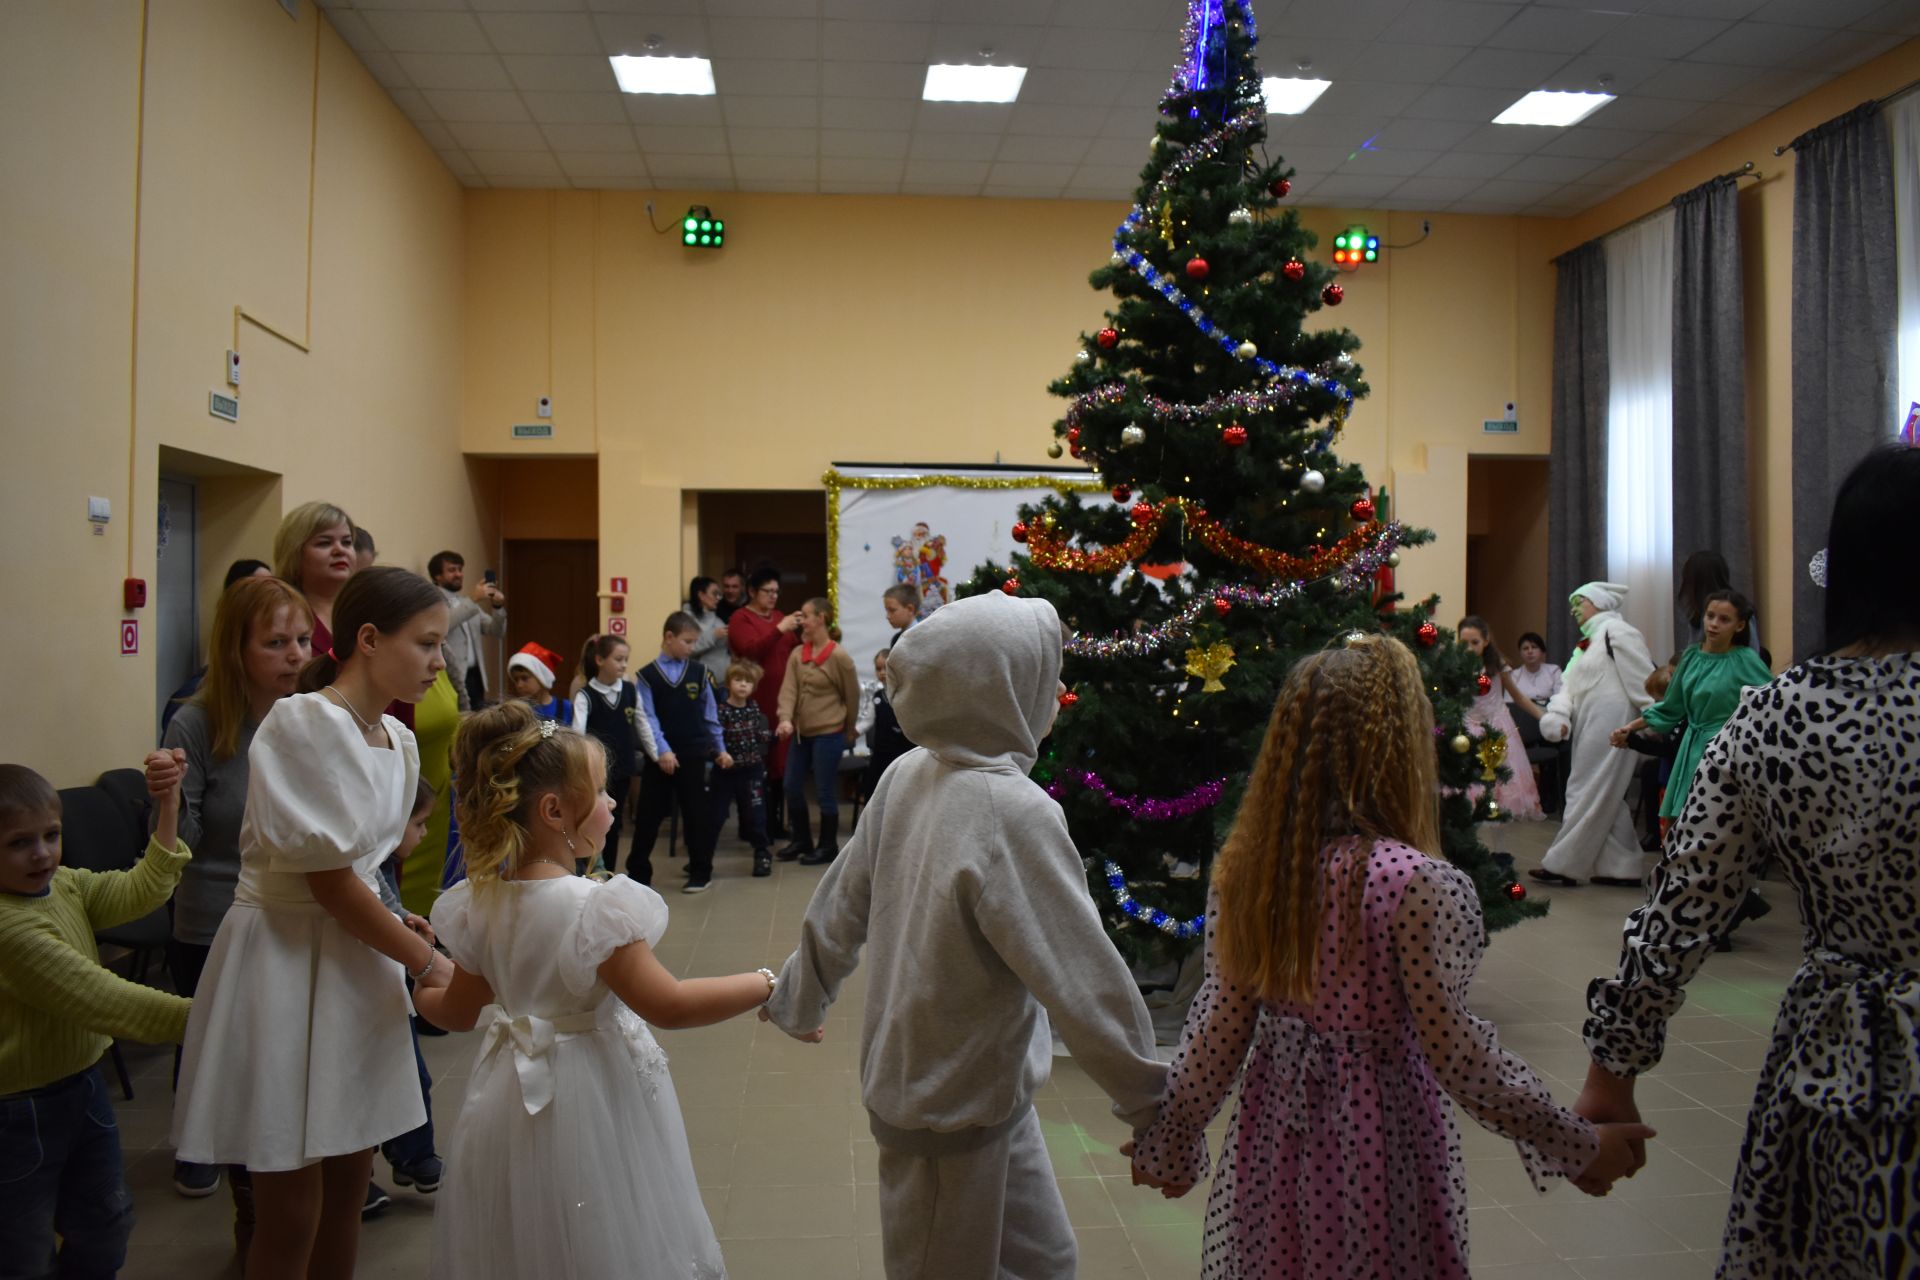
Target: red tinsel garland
1047,548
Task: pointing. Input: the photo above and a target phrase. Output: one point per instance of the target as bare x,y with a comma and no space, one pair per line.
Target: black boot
762,862
802,841
829,846
776,816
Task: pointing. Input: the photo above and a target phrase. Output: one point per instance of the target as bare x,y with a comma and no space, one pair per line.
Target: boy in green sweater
60,1158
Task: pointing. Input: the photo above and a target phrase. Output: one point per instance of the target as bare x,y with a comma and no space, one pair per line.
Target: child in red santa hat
530,675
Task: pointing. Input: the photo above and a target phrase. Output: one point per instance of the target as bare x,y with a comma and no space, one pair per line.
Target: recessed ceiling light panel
1547,107
1290,95
651,74
949,83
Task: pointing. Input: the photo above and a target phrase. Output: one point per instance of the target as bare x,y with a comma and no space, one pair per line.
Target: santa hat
538,660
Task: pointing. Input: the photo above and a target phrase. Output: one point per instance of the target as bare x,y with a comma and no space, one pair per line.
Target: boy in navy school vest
677,700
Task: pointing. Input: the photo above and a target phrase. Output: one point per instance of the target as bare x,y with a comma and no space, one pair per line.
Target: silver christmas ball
1131,435
1240,218
1393,560
1313,482
1054,450
1118,259
1082,356
1246,351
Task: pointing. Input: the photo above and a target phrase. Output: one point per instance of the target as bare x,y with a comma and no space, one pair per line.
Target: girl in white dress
297,1060
570,1157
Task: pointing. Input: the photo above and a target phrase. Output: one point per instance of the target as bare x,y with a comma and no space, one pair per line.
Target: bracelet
426,968
773,980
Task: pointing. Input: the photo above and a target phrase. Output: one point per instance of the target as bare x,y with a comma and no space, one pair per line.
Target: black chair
104,828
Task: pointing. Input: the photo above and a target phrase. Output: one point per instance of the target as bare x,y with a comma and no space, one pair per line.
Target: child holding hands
570,1157
1339,948
966,892
59,1010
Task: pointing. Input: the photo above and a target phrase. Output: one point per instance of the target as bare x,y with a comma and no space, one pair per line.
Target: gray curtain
1710,482
1577,464
1845,312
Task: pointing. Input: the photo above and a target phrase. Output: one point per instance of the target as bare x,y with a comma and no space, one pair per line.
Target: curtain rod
1901,92
1744,171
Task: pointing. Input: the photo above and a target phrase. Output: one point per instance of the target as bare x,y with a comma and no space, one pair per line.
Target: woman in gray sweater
262,636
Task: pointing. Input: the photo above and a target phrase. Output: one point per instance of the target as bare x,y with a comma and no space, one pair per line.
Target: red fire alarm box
134,593
617,604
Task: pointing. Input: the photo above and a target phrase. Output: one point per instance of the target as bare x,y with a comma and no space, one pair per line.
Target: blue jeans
819,757
61,1174
415,1145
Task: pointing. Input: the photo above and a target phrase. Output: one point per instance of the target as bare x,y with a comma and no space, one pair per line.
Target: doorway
1507,546
549,584
784,528
176,592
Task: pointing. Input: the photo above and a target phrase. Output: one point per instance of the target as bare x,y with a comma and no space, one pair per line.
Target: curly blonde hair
1349,752
502,765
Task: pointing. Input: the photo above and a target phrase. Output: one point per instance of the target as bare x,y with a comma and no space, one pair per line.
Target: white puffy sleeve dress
570,1156
297,1047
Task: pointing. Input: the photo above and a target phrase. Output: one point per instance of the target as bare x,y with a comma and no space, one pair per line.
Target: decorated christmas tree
1236,541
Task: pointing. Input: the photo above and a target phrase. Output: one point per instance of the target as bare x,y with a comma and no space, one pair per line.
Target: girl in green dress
1705,691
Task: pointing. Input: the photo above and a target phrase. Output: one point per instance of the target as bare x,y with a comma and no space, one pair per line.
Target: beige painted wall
909,330
248,119
1766,228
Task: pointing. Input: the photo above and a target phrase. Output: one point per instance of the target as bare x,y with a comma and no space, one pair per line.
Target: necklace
359,719
555,862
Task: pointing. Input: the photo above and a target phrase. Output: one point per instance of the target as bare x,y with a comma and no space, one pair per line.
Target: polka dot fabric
1342,1159
1818,771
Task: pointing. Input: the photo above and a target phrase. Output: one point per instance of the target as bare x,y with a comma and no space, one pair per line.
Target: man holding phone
479,612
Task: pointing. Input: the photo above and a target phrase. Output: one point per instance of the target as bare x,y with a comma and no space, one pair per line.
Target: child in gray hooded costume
962,881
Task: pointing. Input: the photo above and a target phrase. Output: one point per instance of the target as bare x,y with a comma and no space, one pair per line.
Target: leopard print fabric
1820,770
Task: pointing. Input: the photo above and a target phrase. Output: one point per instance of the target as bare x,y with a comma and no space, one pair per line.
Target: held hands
1623,1152
420,926
1141,1178
804,1037
724,760
785,730
1618,737
166,770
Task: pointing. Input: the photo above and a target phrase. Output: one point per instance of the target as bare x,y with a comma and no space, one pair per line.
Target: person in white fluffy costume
1605,688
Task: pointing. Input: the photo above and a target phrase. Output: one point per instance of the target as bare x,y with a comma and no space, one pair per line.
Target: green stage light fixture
701,230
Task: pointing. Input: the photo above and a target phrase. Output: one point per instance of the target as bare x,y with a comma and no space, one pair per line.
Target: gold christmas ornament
1166,222
1210,664
1493,812
1462,743
1493,754
1054,450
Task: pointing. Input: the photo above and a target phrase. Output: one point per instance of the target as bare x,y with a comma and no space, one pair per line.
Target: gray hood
977,682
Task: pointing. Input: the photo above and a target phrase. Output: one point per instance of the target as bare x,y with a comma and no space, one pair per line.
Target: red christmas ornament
1075,449
1280,187
1069,700
1011,586
1122,494
1295,270
1073,435
1197,268
1222,605
1107,338
1019,531
1427,634
1142,512
1361,510
1234,436
1483,683
1516,891
1333,295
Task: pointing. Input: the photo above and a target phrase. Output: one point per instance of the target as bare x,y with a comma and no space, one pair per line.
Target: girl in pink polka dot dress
1338,958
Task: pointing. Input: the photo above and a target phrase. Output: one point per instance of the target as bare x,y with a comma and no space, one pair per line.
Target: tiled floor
781,1145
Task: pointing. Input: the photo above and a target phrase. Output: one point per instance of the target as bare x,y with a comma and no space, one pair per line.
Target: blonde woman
313,550
1339,949
570,1103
